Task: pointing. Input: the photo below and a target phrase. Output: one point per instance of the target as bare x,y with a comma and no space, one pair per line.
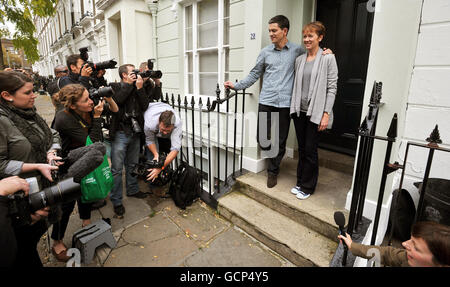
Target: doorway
349,32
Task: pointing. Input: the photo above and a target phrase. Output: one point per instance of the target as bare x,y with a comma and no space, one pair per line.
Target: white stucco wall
428,101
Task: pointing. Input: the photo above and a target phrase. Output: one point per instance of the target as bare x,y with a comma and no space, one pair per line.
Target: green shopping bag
97,184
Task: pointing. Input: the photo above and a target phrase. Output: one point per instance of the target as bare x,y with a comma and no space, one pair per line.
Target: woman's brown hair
316,27
437,237
70,94
12,81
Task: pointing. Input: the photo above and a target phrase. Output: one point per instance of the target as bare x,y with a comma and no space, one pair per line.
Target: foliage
20,13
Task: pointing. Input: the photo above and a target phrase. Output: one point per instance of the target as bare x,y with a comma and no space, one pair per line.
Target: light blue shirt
277,68
151,125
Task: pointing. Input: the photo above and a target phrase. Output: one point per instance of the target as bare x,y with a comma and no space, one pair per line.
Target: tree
20,13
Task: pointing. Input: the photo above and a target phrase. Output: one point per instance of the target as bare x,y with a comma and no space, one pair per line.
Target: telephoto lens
64,191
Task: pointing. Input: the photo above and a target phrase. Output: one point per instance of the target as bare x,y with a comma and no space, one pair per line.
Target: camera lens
64,191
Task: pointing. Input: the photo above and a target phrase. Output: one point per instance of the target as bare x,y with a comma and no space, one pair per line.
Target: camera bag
185,185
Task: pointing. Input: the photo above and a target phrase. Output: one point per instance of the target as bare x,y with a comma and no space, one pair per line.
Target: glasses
65,71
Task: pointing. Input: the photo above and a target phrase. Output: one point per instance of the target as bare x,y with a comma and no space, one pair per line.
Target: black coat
129,99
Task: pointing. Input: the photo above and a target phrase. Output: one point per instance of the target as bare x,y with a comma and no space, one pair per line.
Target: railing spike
218,91
392,133
434,137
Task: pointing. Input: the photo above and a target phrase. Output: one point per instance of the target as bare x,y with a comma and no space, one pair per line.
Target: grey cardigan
322,90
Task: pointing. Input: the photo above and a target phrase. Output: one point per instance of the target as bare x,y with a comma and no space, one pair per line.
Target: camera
111,64
149,73
140,170
21,206
97,95
132,117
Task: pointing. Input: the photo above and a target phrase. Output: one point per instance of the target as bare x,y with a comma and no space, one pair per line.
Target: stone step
316,212
292,240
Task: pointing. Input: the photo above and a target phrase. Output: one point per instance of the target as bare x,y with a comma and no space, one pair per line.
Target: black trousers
283,128
308,162
59,228
27,239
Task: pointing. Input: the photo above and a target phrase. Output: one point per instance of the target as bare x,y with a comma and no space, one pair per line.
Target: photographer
8,243
79,72
98,80
27,146
161,122
151,86
75,123
54,87
125,132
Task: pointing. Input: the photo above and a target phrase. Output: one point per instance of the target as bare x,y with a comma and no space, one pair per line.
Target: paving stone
233,248
164,252
150,230
135,210
200,223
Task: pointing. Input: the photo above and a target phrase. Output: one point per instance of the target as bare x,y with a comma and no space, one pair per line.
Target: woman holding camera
27,146
79,119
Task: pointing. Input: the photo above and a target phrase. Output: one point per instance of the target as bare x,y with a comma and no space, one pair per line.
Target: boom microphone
78,153
85,165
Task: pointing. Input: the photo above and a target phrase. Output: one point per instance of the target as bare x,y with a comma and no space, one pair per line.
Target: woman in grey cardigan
312,103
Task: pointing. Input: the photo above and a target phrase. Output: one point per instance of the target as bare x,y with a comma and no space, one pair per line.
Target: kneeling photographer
163,132
27,147
80,118
125,134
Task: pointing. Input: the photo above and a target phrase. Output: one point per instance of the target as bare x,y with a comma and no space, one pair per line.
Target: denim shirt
277,68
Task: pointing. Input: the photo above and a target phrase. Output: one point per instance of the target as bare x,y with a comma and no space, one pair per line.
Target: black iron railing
217,186
433,145
364,157
367,135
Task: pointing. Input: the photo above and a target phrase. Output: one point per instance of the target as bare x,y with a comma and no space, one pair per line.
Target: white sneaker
295,190
302,195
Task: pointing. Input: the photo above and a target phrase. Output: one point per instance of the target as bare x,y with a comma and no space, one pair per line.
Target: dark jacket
98,82
154,93
73,78
129,99
8,244
74,130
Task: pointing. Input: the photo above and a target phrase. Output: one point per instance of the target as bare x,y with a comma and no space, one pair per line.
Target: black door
349,32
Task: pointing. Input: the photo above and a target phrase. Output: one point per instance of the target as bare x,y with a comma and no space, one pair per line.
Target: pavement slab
230,248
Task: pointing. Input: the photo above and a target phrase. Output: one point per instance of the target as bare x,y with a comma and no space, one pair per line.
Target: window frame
221,48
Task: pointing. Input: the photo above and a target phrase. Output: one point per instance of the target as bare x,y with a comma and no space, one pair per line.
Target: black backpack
185,185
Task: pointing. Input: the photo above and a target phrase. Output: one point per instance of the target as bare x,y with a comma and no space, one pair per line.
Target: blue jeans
124,152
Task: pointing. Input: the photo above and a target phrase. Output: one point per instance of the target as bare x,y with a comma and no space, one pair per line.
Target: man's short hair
58,68
143,66
124,69
167,118
72,60
281,20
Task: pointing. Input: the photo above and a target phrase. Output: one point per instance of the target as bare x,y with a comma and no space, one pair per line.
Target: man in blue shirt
276,63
